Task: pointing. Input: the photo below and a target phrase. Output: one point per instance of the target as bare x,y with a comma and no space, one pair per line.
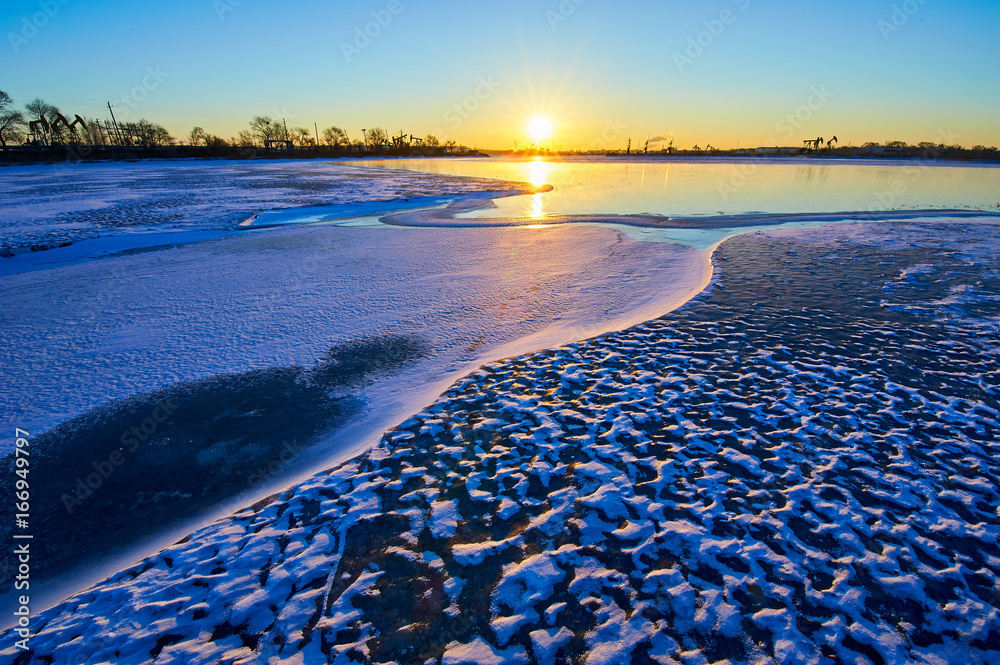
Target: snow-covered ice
51,205
784,470
133,323
86,326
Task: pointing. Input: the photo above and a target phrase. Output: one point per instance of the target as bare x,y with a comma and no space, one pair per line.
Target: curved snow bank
787,469
281,297
702,232
137,322
374,209
463,213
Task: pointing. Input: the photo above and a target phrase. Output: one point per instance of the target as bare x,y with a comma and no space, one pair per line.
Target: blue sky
476,72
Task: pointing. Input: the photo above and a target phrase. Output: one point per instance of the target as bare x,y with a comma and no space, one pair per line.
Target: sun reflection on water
538,172
538,175
537,206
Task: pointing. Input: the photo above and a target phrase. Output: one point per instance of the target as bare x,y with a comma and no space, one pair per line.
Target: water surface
597,185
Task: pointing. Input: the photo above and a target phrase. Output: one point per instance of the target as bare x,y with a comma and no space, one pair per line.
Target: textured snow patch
444,517
481,652
799,478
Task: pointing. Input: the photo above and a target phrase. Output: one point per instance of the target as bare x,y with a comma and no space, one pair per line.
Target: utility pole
316,127
121,141
286,128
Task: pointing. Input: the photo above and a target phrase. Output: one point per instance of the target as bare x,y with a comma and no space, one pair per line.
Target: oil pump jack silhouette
50,127
818,143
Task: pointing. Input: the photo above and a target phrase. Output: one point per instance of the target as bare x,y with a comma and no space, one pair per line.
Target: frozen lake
586,186
156,290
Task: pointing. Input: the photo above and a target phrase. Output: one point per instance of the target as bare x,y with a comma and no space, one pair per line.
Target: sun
539,128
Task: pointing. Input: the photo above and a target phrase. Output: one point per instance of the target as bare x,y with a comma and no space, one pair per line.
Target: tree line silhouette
42,128
41,125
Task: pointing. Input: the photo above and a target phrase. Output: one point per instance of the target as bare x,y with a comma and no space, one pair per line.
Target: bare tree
244,139
334,136
377,137
158,135
40,119
301,136
11,121
197,136
267,129
432,141
91,132
146,133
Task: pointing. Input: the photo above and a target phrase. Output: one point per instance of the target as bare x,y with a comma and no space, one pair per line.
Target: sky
725,73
